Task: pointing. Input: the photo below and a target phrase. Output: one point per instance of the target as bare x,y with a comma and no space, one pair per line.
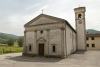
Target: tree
10,42
20,42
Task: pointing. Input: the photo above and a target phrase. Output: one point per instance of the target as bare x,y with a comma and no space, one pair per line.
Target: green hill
14,36
92,31
5,37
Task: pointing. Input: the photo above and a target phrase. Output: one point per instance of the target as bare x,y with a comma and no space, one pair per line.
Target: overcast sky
15,13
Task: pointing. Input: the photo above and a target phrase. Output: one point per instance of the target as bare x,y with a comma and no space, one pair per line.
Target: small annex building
55,36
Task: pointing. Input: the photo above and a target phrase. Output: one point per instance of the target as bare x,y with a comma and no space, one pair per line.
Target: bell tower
80,27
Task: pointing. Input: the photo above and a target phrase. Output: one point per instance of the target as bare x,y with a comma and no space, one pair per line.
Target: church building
52,36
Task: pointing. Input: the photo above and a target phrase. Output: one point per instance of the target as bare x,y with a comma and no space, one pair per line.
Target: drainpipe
65,39
72,40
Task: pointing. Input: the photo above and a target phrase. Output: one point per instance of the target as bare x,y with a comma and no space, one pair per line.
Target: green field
13,49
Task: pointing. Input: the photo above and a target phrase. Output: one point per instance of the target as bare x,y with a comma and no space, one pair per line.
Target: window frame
87,38
92,38
87,44
55,48
30,47
92,45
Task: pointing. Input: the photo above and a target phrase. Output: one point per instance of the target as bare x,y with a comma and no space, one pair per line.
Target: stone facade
57,36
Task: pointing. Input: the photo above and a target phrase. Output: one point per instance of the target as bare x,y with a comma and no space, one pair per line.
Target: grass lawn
12,49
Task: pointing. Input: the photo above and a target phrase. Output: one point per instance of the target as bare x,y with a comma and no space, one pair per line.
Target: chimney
87,32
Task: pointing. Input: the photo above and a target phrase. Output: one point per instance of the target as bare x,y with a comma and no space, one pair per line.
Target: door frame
39,49
41,40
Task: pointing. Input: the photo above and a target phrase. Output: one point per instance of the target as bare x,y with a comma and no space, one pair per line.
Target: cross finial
42,11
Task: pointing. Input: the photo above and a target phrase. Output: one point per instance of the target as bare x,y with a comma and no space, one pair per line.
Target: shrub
46,55
33,54
20,42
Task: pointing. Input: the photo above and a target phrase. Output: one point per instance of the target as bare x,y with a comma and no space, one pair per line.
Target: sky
14,14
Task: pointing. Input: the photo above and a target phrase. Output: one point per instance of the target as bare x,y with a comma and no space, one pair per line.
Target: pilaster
62,43
24,44
47,41
35,47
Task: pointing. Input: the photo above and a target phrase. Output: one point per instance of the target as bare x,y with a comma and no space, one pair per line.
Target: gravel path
78,59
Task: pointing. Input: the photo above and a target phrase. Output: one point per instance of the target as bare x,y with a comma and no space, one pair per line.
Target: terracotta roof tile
93,35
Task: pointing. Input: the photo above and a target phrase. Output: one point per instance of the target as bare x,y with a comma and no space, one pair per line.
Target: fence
4,51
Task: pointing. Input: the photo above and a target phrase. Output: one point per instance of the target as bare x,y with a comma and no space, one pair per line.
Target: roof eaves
70,26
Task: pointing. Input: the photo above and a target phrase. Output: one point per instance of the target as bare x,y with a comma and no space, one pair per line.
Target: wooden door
41,49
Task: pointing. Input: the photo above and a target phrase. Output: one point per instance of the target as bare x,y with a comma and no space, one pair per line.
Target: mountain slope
5,37
9,36
92,31
14,36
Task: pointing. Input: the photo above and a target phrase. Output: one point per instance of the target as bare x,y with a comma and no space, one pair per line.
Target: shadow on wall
33,59
79,52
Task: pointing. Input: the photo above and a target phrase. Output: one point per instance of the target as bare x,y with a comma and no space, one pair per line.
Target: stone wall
55,39
70,40
50,36
30,40
43,20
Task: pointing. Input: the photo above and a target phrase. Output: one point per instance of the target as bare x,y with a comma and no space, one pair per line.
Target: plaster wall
81,35
30,40
55,39
43,20
70,40
74,41
96,41
42,36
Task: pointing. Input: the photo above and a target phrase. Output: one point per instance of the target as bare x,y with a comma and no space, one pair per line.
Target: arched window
79,16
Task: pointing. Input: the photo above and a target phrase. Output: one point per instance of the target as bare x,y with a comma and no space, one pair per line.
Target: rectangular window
30,48
87,45
92,38
93,45
86,38
53,48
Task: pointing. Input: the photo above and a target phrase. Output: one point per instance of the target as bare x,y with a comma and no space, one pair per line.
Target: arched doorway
41,46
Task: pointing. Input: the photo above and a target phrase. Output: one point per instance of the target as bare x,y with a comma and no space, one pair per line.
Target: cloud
44,7
32,6
14,14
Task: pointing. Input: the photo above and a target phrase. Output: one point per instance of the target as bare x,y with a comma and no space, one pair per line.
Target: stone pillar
24,44
35,48
62,43
47,42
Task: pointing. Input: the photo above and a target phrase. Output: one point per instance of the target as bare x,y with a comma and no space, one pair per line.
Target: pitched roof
50,17
93,35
